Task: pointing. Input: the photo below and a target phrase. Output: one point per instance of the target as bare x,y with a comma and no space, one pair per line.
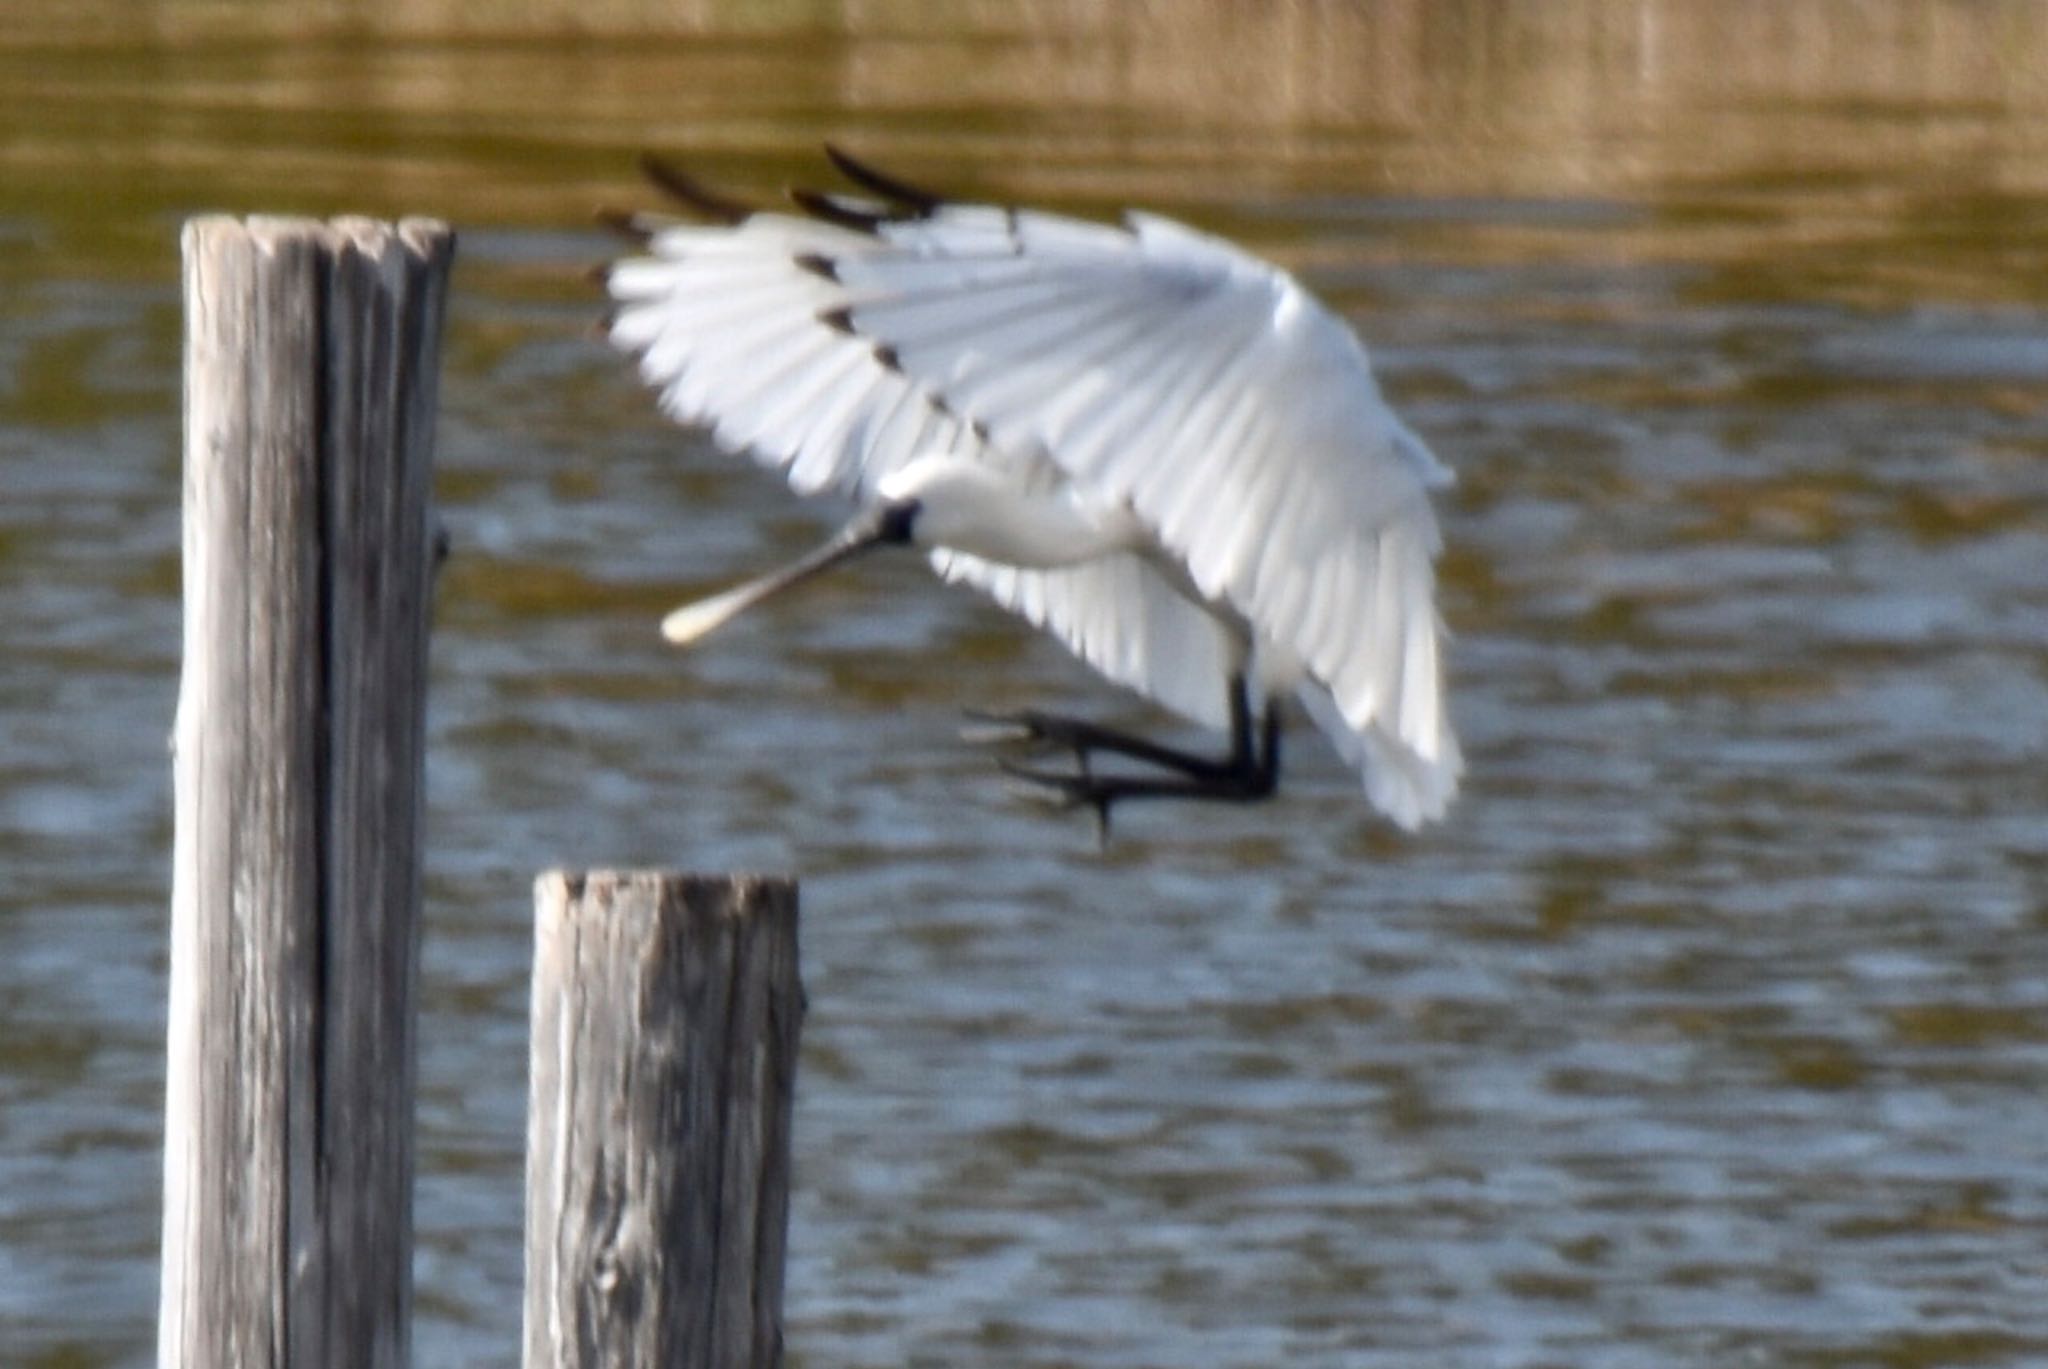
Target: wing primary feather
1004,314
719,334
1120,422
818,264
815,412
1072,422
757,414
832,210
684,188
920,203
1196,396
624,224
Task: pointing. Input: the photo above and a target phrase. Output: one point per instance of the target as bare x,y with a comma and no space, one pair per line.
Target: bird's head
940,500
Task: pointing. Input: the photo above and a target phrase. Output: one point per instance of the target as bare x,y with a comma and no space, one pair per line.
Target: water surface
1709,1030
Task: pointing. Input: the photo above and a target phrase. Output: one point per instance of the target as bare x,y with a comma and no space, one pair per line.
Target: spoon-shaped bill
692,621
686,624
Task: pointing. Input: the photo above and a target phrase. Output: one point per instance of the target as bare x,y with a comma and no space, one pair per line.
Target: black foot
1251,771
1047,731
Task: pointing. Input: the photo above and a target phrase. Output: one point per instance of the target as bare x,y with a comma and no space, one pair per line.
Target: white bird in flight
1155,446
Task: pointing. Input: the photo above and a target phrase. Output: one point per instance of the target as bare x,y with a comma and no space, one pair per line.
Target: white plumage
1160,449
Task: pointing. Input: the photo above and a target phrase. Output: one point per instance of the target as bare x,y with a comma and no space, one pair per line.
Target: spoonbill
1158,448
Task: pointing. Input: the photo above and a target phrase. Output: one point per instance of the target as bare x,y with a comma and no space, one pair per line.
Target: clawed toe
1066,792
1014,728
996,729
1027,727
1249,771
1060,789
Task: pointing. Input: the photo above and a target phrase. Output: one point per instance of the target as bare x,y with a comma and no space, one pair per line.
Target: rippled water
1713,1027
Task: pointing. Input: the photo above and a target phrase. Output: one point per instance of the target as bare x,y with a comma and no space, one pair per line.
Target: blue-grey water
1712,1029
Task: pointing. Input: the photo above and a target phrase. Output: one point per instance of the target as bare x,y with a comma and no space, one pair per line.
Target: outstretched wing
729,323
1240,421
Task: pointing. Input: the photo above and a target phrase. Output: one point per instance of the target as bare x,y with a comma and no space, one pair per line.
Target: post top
271,233
575,882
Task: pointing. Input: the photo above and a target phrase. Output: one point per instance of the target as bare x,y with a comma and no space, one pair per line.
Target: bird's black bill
873,528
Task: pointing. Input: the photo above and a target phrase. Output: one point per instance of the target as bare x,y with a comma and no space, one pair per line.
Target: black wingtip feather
838,320
818,265
822,206
919,203
623,224
889,359
685,189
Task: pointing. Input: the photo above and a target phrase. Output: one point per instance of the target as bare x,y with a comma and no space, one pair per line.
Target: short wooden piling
311,366
665,1018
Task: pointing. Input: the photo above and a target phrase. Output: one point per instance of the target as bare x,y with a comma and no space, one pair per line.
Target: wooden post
665,1017
311,367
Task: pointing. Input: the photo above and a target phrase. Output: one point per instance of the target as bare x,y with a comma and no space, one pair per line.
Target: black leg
1250,771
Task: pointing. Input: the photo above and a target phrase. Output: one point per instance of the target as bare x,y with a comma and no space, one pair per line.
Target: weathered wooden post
665,1018
311,368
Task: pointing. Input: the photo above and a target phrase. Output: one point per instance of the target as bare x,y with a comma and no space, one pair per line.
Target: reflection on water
1710,1030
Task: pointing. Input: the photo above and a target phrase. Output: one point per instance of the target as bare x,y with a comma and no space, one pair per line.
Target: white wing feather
1148,364
1123,618
1234,415
726,324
